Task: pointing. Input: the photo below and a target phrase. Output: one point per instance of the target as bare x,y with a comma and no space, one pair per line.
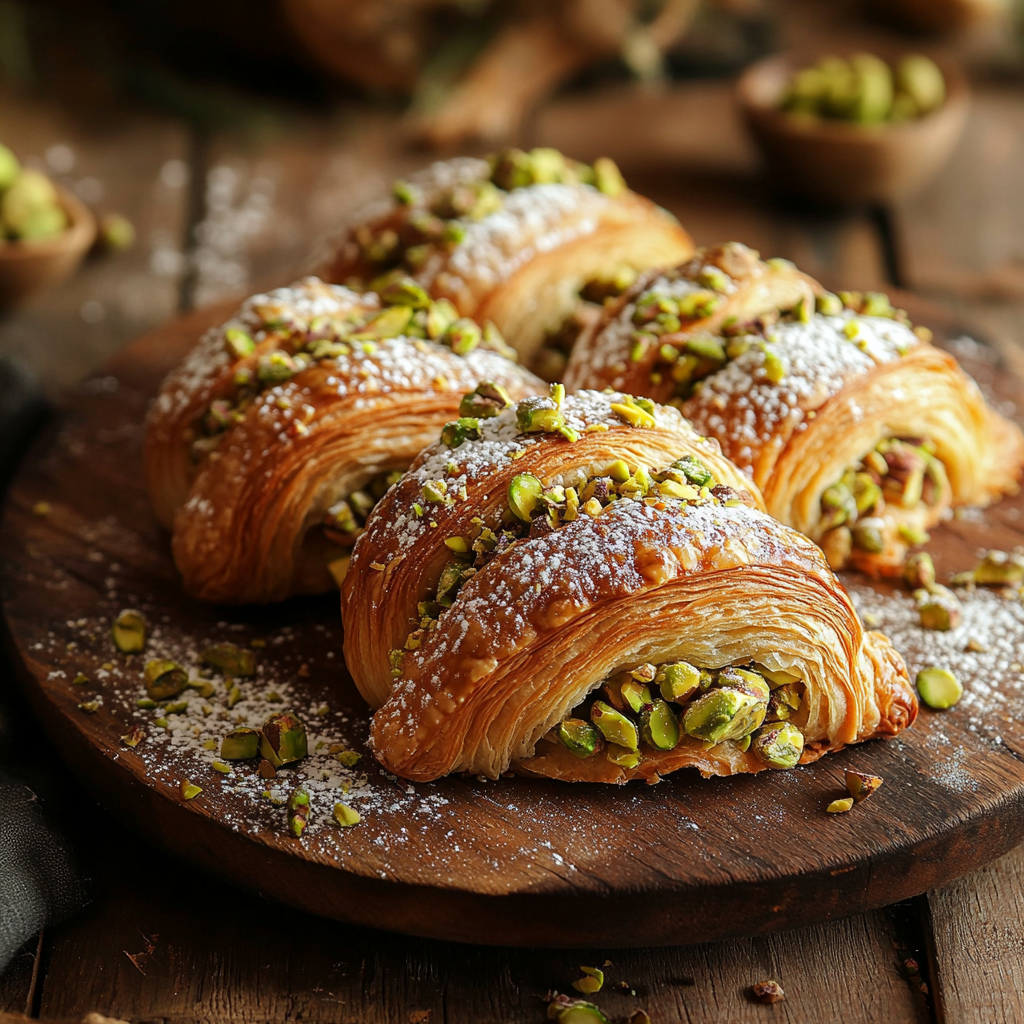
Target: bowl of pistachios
853,128
45,231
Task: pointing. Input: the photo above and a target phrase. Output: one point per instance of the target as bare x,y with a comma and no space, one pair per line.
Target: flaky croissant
580,589
268,446
858,431
516,240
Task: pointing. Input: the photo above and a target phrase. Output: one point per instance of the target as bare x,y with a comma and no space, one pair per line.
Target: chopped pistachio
919,571
220,766
939,608
189,790
406,292
345,816
164,678
694,470
298,811
998,568
232,661
724,714
435,490
840,806
462,336
283,739
238,343
579,737
622,756
441,315
868,536
80,680
275,368
607,177
745,680
779,745
487,400
939,688
524,490
633,413
134,736
234,696
240,745
591,982
539,413
659,726
828,304
466,428
388,323
452,577
567,1010
614,726
349,758
860,786
129,632
635,694
90,707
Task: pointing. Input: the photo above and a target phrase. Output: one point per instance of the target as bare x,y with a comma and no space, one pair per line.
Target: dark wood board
511,862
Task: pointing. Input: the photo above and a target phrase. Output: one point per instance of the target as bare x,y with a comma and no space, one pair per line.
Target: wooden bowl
29,267
837,163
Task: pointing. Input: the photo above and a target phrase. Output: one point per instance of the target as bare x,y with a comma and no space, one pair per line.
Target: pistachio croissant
581,588
859,432
268,446
522,239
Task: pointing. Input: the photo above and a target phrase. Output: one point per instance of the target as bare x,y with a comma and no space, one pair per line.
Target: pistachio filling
437,223
663,324
298,343
872,508
648,709
346,519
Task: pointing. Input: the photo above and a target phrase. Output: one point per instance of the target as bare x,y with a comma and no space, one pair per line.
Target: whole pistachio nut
579,737
164,678
129,631
1000,569
659,726
919,571
779,745
614,726
723,714
465,428
939,688
539,413
233,661
283,739
746,680
298,811
486,400
240,745
860,786
679,681
524,491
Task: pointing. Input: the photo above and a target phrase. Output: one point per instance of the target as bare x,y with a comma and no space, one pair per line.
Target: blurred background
235,135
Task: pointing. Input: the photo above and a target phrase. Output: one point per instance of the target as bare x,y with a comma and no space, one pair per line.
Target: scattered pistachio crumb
345,816
840,806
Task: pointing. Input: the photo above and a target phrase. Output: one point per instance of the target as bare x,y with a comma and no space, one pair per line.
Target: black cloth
38,880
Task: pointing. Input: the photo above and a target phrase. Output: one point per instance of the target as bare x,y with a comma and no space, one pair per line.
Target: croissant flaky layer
513,240
559,648
267,446
826,402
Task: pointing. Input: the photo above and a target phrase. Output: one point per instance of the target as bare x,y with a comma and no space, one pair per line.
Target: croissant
858,431
581,588
268,446
522,239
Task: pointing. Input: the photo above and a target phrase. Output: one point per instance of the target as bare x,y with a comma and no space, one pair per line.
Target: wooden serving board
507,862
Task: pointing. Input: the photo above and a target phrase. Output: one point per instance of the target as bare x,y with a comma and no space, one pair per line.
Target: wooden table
220,213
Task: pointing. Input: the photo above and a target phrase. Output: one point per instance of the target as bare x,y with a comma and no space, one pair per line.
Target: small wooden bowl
841,164
28,267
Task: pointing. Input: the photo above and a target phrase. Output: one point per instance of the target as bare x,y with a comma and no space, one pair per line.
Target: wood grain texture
978,936
533,862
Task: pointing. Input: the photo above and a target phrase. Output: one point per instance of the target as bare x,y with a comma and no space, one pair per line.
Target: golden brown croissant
579,589
858,431
268,446
516,240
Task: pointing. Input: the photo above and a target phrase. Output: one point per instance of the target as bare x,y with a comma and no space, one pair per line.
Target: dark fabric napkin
38,880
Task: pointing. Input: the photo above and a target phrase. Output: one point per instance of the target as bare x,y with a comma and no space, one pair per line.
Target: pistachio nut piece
724,714
487,400
129,632
567,1010
695,471
622,757
240,745
840,806
868,535
635,694
189,790
466,428
406,292
860,786
234,662
939,608
939,688
164,678
659,726
283,739
779,745
462,336
615,726
591,982
537,414
998,568
579,737
679,681
744,679
298,811
524,490
345,816
919,571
